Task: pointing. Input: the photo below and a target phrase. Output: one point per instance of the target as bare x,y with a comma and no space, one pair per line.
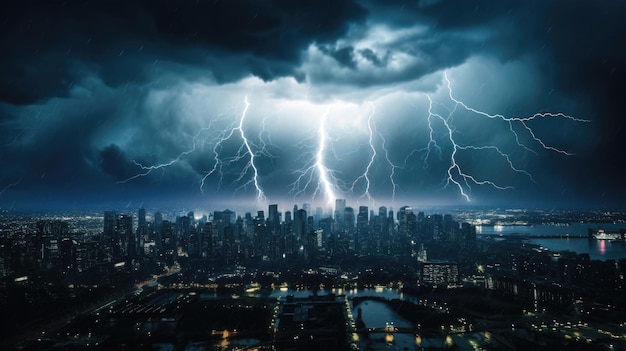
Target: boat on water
600,234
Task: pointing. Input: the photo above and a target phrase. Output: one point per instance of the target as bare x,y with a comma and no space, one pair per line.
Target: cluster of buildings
226,238
58,260
543,280
279,235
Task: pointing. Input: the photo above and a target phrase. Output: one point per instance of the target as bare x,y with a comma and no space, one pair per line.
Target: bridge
535,236
392,330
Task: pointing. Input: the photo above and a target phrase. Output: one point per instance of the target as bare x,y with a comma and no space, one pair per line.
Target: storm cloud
137,100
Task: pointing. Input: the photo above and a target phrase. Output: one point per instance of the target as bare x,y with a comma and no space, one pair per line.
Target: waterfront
572,228
597,249
378,315
579,243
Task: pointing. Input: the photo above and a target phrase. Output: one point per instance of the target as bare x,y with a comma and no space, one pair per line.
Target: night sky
204,103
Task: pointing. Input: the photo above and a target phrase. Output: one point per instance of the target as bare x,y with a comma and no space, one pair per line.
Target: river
597,249
377,314
573,228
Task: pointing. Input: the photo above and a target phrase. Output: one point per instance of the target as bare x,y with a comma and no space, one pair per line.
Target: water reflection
597,249
376,314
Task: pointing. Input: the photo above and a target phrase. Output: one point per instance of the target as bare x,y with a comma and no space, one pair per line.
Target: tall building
222,219
248,225
208,243
183,230
288,217
349,229
226,216
340,207
450,228
421,227
141,218
273,219
382,212
437,227
468,234
158,230
382,231
50,234
361,238
110,220
142,229
403,221
300,224
440,273
260,215
349,219
192,218
123,242
168,238
325,224
318,214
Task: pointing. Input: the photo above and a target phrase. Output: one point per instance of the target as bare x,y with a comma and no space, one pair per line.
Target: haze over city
241,104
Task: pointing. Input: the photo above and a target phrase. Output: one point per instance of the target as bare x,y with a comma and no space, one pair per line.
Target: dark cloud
89,87
344,56
49,45
371,56
115,163
575,45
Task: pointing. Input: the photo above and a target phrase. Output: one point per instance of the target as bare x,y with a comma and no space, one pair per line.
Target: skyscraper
141,218
340,207
300,222
360,239
142,229
158,230
110,219
123,243
272,216
108,233
348,215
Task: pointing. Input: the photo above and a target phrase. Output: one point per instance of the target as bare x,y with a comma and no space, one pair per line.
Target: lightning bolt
149,169
521,120
454,168
15,138
366,173
146,170
392,166
217,138
316,178
432,142
455,174
245,150
255,178
326,179
10,185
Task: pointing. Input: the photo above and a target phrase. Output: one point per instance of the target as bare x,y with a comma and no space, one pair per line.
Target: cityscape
304,278
199,175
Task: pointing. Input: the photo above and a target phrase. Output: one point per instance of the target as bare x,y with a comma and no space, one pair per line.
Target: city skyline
123,271
220,105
